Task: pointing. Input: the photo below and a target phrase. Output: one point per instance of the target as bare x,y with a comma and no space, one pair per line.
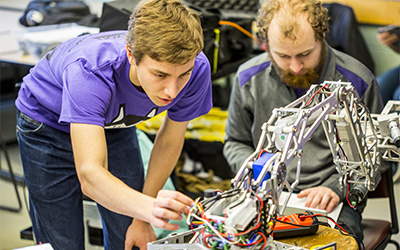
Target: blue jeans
389,84
55,194
350,220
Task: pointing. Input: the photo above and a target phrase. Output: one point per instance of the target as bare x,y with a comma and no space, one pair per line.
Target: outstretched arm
90,153
166,151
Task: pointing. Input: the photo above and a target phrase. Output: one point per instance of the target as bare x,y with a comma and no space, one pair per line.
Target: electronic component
245,215
297,224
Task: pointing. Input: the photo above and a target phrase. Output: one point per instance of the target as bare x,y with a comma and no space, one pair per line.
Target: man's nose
296,65
171,88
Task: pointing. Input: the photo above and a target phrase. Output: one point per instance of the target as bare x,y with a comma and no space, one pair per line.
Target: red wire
265,239
261,201
262,151
256,242
347,195
206,236
329,218
312,97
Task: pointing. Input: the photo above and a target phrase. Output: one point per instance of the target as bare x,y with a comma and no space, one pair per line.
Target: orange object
299,225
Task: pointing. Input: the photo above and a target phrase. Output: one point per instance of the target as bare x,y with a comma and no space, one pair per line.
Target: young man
77,112
297,56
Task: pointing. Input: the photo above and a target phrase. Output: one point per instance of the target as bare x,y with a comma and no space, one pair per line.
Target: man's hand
322,196
387,38
169,205
390,39
139,233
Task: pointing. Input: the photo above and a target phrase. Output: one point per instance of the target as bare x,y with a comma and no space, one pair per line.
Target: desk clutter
228,33
36,41
40,12
227,37
209,127
201,165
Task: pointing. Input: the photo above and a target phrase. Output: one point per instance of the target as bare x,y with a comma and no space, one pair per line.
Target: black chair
344,34
8,175
11,75
378,233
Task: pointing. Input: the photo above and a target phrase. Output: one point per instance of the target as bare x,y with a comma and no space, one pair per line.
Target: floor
11,223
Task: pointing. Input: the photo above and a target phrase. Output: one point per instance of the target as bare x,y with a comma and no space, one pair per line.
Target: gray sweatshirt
257,90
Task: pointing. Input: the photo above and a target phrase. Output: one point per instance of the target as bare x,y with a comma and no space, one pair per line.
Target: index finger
177,196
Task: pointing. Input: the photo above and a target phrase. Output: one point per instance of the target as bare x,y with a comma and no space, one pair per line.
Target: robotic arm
357,139
346,122
244,215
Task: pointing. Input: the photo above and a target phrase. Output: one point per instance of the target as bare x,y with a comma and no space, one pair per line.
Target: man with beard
297,56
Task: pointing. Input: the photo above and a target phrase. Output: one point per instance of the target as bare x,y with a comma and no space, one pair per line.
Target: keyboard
230,8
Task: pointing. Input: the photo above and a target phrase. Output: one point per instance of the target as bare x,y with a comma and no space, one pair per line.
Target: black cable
226,194
350,234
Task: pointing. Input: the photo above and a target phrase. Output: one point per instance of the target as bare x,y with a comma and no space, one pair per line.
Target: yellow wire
216,50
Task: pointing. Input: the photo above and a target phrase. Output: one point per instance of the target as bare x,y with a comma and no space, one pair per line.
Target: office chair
344,34
378,233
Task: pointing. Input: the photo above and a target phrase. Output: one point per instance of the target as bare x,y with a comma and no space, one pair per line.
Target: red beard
305,80
302,81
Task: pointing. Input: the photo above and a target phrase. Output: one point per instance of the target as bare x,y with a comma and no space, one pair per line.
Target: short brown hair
316,14
166,31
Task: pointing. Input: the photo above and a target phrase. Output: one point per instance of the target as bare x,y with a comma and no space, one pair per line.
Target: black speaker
115,15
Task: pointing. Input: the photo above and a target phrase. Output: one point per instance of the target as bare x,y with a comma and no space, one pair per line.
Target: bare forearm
90,155
161,165
166,150
110,192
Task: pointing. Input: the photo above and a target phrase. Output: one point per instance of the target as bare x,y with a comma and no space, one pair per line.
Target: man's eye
159,75
284,56
305,54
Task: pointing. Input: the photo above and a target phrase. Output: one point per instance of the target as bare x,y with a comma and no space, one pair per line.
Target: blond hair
316,15
166,31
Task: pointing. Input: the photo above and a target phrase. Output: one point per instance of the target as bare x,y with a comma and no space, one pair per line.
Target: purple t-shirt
86,80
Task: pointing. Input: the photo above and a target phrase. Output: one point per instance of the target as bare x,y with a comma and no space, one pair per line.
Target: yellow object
209,127
379,12
325,235
216,50
330,248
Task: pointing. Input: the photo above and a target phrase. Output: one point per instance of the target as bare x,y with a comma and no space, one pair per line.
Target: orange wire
241,29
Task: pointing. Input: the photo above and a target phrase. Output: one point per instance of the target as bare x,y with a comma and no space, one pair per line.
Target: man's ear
131,58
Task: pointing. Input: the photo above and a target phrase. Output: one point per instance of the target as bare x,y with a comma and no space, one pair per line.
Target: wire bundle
216,234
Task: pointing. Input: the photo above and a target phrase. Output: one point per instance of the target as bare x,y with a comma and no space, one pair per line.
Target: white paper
297,205
45,246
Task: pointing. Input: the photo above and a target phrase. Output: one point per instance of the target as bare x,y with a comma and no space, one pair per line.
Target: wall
384,58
